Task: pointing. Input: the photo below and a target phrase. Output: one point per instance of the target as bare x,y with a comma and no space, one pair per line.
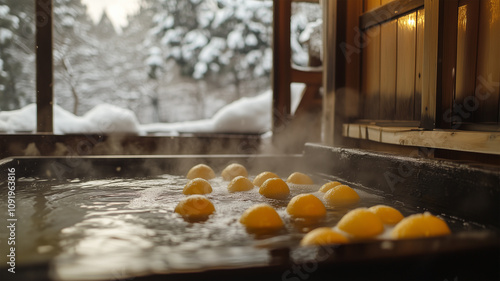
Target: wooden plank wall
388,64
370,73
392,63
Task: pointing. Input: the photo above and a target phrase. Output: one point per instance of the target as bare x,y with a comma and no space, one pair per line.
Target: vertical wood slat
488,63
405,87
388,54
370,79
352,58
448,51
44,66
467,30
340,108
282,10
432,30
419,61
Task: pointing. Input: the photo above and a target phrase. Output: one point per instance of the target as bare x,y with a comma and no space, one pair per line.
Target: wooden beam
44,66
329,70
281,74
448,59
307,75
389,11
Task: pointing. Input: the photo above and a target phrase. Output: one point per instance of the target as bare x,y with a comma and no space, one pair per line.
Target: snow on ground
104,118
247,115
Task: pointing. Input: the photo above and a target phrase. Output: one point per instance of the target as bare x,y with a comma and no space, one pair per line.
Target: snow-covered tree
9,67
75,50
224,37
104,28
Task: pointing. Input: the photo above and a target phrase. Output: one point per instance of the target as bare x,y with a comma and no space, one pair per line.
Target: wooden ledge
469,141
307,75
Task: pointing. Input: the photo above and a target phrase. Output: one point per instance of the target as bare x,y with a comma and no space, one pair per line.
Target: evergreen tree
104,28
224,37
75,51
18,54
9,67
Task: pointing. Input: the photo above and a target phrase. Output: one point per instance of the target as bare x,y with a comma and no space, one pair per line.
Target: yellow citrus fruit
361,223
323,236
387,214
306,206
262,177
234,170
341,195
420,225
240,183
197,186
261,217
201,171
299,178
329,185
195,208
275,188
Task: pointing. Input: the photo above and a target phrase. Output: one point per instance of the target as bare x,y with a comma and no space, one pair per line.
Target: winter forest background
176,60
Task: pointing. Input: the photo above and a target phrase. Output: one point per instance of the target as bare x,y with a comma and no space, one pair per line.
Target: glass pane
306,37
165,61
121,65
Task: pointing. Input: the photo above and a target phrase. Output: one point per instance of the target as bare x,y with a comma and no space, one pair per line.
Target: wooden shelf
477,142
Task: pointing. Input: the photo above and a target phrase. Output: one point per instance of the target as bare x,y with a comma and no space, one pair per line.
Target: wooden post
431,67
281,74
329,43
44,66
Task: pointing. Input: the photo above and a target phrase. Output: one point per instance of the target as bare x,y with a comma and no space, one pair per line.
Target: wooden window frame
44,66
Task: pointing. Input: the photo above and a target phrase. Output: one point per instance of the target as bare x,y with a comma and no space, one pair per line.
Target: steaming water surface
117,228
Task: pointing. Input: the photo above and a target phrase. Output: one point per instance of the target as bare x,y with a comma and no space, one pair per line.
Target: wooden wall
392,68
392,64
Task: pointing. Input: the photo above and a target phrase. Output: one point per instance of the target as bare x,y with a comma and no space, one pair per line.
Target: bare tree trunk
237,84
67,67
155,102
200,98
